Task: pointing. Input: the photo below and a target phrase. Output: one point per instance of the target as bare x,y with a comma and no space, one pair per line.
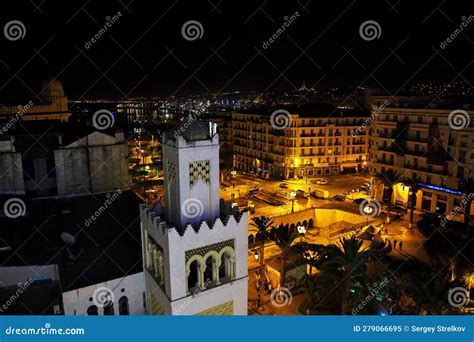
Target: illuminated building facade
318,141
416,140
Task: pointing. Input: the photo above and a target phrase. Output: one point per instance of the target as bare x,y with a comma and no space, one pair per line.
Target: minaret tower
191,167
195,247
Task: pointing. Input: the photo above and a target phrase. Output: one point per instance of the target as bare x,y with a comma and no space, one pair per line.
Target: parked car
320,194
366,187
254,190
339,198
321,181
284,185
302,193
359,200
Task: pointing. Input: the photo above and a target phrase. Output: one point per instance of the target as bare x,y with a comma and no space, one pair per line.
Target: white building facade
194,251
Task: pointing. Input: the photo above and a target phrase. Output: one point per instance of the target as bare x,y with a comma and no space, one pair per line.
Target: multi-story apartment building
318,140
419,139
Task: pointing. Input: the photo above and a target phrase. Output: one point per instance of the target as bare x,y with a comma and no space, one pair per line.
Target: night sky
144,53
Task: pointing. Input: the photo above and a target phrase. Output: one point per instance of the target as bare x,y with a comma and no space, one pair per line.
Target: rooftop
106,248
310,110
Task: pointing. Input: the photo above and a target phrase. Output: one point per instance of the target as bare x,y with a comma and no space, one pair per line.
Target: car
302,193
284,185
366,187
339,198
398,209
254,190
321,181
359,200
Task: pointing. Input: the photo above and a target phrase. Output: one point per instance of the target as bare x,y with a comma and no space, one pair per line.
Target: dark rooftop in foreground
107,248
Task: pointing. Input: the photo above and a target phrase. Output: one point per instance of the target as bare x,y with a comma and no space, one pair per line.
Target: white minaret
191,168
195,251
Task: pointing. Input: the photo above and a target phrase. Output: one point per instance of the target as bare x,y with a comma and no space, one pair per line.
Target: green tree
283,236
262,225
349,262
388,178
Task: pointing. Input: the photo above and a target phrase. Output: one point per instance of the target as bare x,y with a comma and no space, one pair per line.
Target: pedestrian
394,244
400,245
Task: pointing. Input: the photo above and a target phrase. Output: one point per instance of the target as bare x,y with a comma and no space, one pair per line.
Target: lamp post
292,198
301,231
368,210
233,173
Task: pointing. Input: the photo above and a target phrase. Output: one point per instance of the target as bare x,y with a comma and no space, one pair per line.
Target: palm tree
283,236
351,263
467,188
388,178
414,185
263,225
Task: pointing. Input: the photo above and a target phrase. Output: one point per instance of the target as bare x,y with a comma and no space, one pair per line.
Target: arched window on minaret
194,276
124,309
209,272
224,270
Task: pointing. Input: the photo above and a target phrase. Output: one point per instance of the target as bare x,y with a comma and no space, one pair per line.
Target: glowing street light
368,210
301,231
292,198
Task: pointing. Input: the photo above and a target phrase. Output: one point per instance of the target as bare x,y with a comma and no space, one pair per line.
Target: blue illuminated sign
438,188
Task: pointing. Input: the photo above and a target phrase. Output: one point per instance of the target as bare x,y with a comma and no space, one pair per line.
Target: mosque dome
52,88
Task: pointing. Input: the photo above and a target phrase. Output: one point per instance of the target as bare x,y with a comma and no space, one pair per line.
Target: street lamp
233,173
293,198
301,231
368,210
